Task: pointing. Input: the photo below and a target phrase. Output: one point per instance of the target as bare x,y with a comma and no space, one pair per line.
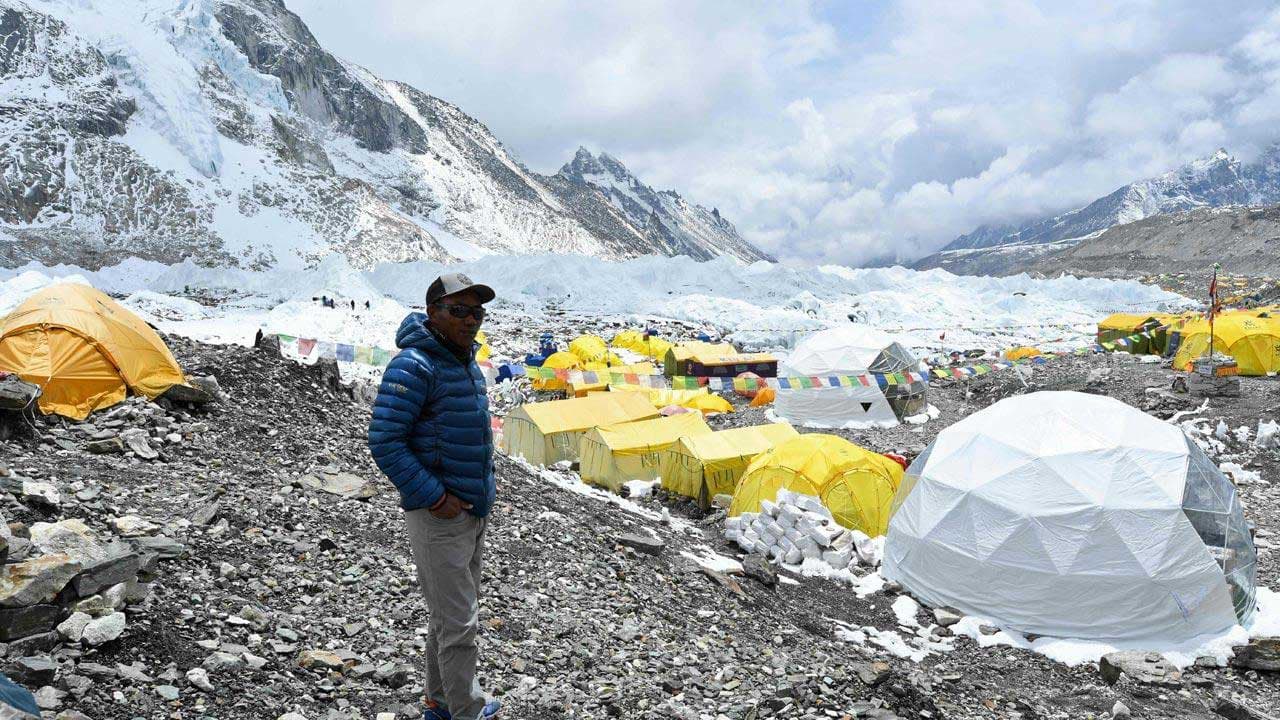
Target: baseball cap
451,283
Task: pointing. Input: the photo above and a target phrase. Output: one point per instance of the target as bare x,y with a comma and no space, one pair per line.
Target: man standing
430,434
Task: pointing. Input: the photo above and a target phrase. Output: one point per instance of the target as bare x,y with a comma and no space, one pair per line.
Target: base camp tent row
613,455
1073,515
84,350
545,433
855,484
706,465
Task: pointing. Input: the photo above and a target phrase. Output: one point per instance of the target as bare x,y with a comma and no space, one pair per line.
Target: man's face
459,331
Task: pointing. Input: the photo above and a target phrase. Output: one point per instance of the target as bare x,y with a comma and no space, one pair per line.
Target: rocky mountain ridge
221,131
1218,180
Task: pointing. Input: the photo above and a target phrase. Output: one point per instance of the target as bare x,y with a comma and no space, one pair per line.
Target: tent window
1210,503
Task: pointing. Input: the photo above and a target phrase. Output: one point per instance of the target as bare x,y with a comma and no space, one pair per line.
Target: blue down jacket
430,430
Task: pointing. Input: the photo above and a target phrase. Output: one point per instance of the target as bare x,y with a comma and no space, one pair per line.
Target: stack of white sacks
799,527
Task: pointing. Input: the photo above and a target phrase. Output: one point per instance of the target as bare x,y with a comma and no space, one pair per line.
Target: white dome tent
845,350
1075,516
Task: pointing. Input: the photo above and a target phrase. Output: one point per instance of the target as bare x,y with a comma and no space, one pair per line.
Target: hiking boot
435,711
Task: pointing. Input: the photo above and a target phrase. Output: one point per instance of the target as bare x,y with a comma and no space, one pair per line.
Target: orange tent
84,350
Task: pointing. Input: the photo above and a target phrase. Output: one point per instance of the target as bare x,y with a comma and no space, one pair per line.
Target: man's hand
449,507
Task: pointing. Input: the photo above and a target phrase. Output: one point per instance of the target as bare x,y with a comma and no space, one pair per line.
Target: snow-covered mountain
220,131
1215,181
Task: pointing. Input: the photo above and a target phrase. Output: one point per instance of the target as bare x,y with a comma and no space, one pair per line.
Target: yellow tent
629,339
655,348
703,466
662,397
485,351
674,359
616,454
1253,341
1021,353
84,350
545,433
580,389
855,484
557,361
589,348
708,403
1123,322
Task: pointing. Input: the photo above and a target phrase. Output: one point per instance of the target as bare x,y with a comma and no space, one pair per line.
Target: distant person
353,305
366,304
430,434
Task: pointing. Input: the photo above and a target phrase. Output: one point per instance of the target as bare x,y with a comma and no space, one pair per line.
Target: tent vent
866,406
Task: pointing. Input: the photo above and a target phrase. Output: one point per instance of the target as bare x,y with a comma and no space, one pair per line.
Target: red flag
1213,286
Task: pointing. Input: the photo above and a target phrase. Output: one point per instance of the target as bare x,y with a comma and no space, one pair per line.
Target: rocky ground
286,577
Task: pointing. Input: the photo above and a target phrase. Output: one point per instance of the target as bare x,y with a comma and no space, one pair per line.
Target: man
430,434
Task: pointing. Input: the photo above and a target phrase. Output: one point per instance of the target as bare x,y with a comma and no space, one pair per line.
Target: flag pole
1213,310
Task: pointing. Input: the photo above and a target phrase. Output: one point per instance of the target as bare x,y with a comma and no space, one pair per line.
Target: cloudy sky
844,131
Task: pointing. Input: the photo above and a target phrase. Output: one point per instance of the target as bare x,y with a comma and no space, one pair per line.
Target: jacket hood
413,333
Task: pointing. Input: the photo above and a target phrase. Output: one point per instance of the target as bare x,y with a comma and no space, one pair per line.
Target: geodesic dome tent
1073,515
850,350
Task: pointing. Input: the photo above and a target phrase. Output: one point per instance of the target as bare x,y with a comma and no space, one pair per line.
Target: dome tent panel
78,328
1128,564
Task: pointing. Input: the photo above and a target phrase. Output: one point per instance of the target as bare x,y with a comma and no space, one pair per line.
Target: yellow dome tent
708,403
84,350
654,348
703,466
589,348
1021,352
628,339
485,351
616,454
1253,341
855,484
545,433
556,361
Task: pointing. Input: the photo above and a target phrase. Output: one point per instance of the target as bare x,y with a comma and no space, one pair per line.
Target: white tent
843,350
1073,515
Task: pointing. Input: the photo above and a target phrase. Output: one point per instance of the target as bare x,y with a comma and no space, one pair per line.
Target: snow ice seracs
798,527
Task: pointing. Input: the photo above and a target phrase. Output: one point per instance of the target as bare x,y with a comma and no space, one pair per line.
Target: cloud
845,133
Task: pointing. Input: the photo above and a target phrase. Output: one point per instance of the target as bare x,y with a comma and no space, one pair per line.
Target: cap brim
485,292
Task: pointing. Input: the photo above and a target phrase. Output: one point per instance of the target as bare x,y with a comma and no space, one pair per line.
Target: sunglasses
460,311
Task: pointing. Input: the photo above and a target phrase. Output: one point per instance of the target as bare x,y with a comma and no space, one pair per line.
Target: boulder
642,543
35,581
16,393
946,616
41,493
132,525
105,446
137,440
342,484
1149,668
758,568
104,629
25,621
73,627
106,572
1261,653
72,537
320,659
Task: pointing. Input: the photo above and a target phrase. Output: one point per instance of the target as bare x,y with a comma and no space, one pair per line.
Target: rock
1233,709
321,659
104,629
35,671
642,543
1261,653
167,692
166,548
49,697
137,440
132,526
1120,710
35,581
16,393
41,493
104,603
105,446
393,675
947,616
342,484
73,627
1144,667
199,678
30,620
106,572
72,537
873,673
758,568
32,644
222,661
206,512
